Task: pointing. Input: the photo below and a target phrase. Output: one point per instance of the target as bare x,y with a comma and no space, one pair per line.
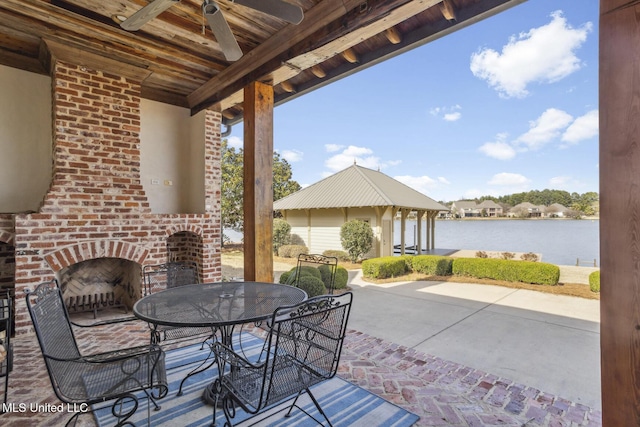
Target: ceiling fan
218,24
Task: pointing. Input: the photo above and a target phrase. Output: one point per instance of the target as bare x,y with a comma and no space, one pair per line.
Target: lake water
559,241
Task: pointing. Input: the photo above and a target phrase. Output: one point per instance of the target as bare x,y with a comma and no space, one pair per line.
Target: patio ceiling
180,62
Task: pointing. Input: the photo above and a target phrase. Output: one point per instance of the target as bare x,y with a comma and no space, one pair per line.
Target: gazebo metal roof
357,186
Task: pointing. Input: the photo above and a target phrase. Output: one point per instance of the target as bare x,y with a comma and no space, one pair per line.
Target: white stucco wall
25,139
321,229
172,158
172,148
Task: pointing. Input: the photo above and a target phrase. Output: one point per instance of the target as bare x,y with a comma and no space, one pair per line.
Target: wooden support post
258,182
619,207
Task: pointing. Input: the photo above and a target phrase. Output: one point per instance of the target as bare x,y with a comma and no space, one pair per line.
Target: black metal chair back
6,347
304,348
90,379
319,266
169,275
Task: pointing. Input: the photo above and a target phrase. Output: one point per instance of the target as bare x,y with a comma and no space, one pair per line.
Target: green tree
281,234
232,184
356,237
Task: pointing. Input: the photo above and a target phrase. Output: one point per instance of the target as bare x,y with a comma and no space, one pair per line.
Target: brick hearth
96,206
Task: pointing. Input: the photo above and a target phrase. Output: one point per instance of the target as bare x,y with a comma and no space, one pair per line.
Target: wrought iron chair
6,348
304,342
90,379
326,267
170,275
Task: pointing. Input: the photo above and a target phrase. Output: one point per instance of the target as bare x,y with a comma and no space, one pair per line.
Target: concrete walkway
545,341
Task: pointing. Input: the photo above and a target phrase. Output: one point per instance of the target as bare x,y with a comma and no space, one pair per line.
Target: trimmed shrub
341,255
385,267
292,251
508,270
285,277
281,234
594,281
289,276
342,277
356,238
433,265
312,286
325,274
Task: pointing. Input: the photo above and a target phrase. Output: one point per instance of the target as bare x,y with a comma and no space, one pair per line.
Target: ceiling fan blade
278,8
221,30
146,14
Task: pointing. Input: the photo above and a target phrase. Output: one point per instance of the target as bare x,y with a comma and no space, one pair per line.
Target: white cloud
584,127
423,184
332,148
507,183
443,180
362,156
543,54
292,156
545,128
235,142
500,149
452,117
449,114
509,179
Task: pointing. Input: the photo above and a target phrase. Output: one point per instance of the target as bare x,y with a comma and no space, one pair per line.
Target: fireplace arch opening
104,284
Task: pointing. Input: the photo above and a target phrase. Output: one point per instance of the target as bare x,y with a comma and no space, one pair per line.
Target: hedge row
483,268
385,267
512,271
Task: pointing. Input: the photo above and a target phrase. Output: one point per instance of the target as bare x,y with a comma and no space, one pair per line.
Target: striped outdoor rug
344,403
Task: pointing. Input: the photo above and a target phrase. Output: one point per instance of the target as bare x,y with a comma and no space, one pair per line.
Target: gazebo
317,212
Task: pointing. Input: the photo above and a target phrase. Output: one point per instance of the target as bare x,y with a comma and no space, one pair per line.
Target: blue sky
507,105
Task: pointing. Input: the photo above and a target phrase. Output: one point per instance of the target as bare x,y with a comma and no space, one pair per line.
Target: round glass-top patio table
220,306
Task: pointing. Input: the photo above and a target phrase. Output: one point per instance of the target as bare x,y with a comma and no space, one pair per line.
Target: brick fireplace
96,207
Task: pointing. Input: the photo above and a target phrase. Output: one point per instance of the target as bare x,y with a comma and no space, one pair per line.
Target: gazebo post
419,216
403,227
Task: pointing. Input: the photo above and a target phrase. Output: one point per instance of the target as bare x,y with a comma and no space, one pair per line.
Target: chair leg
315,402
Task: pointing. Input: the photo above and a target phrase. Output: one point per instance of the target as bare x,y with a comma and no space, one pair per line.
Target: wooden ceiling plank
78,56
129,47
325,12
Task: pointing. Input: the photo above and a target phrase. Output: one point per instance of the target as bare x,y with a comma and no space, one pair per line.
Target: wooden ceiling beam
350,56
287,86
393,35
448,10
383,15
262,57
318,71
